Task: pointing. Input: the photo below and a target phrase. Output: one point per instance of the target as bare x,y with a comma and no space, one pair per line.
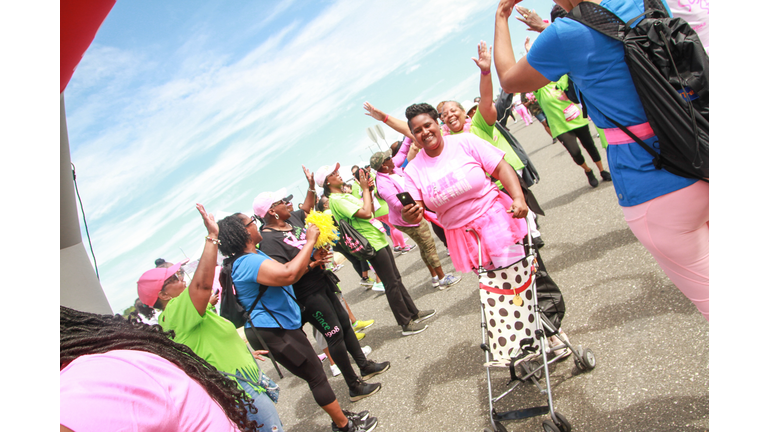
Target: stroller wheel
565,426
589,359
584,359
550,426
533,365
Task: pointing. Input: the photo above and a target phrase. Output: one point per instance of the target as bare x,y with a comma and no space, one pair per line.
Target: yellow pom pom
324,222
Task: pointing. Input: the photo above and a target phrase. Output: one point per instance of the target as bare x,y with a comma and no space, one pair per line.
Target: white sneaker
378,287
435,282
366,350
335,370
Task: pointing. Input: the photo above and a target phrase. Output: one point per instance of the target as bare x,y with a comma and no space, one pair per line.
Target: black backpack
670,70
229,307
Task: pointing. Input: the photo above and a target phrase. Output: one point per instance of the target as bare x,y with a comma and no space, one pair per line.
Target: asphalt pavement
651,344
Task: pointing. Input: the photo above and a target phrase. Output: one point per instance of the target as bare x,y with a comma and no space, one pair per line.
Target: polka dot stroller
515,330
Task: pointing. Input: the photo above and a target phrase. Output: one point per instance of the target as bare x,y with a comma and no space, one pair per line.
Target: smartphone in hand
405,198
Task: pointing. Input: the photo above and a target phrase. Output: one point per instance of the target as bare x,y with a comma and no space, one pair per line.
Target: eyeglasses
253,219
177,277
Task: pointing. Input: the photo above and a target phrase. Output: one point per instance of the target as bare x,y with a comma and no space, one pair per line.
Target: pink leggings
523,111
675,230
397,236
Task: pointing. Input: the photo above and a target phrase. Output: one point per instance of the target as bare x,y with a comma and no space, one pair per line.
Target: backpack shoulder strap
599,19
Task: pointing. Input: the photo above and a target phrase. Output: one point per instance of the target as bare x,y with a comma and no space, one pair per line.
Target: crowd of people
177,361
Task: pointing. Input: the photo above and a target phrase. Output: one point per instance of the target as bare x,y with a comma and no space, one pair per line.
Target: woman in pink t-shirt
451,180
117,375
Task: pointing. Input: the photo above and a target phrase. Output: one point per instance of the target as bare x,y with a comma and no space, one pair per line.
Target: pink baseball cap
323,172
264,201
151,282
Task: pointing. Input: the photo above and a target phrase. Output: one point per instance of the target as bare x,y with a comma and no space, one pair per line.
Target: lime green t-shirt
344,206
210,336
551,101
489,133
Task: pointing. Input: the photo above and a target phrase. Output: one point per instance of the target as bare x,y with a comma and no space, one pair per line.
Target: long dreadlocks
82,333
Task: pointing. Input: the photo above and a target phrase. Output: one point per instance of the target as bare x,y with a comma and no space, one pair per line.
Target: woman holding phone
359,214
450,176
391,187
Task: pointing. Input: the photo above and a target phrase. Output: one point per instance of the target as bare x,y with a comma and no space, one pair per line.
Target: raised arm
366,211
486,107
400,126
309,200
514,76
201,286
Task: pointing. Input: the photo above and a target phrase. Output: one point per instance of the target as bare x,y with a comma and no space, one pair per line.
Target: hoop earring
277,217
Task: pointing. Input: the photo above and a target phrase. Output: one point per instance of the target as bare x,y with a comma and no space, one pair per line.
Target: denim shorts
267,413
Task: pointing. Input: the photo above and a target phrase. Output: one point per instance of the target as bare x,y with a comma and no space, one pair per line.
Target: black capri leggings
325,312
292,349
585,136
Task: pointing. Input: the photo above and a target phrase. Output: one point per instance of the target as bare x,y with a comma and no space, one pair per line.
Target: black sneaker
361,390
356,425
592,179
372,368
412,328
538,242
357,417
605,175
424,315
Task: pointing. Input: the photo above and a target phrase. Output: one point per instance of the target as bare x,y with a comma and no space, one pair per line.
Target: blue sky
214,102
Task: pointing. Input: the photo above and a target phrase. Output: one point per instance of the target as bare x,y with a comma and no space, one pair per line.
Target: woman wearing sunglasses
284,235
265,284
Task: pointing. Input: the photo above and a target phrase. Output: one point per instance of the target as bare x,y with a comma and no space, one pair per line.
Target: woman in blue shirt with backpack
668,214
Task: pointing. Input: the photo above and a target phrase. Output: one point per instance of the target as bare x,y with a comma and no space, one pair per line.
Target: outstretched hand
373,112
530,18
310,177
208,220
483,60
506,7
528,44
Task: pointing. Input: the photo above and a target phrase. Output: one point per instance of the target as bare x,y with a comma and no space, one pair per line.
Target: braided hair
82,333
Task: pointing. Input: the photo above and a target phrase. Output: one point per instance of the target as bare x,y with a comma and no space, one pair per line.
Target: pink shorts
498,232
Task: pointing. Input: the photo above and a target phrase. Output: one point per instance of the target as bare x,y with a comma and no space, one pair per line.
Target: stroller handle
480,249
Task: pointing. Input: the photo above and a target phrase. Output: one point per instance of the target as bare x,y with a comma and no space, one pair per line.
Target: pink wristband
385,118
482,72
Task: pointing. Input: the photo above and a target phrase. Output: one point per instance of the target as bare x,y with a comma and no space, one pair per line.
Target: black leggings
403,307
325,312
585,136
360,266
292,349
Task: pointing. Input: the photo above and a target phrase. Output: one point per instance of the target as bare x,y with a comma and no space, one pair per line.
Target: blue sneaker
448,281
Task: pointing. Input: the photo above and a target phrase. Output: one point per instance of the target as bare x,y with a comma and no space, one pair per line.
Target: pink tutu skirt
499,234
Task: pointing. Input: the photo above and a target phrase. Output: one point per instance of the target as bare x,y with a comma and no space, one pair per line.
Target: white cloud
214,129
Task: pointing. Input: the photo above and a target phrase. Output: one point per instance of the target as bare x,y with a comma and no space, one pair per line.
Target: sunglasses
282,201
